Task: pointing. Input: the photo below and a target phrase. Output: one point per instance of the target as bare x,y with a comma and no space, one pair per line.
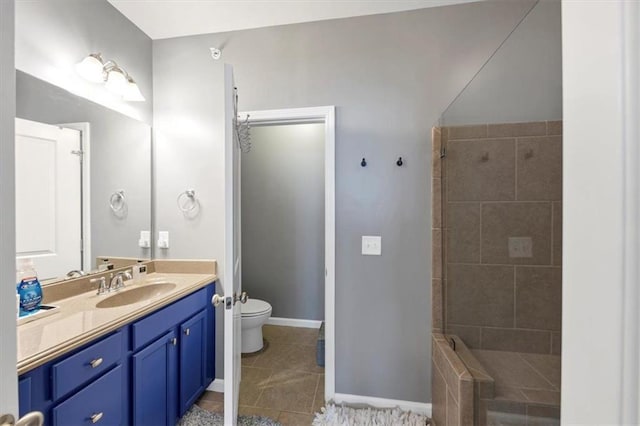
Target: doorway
51,192
285,144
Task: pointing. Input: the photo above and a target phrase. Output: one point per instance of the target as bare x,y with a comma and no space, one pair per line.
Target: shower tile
543,416
436,306
480,295
436,253
509,370
509,339
470,335
539,298
557,234
539,168
436,203
509,393
556,343
554,128
542,396
468,132
534,128
500,221
481,170
453,416
463,233
439,389
465,403
548,366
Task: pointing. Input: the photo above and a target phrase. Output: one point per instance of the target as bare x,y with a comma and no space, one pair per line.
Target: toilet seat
254,307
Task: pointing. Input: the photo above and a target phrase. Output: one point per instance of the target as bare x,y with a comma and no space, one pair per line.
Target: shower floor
526,387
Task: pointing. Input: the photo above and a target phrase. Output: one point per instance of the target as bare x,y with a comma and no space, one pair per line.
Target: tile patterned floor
282,382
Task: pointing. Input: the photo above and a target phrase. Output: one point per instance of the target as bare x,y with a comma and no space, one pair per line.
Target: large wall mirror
83,182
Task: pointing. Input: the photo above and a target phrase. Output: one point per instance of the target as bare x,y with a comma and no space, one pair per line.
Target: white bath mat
340,415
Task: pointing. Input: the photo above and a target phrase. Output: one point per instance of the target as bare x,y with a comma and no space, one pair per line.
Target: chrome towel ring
117,201
187,201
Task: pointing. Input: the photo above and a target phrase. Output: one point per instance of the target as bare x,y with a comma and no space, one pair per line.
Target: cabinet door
193,357
155,382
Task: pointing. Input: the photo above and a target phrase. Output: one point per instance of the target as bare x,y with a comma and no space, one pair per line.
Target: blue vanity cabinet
148,372
155,380
193,369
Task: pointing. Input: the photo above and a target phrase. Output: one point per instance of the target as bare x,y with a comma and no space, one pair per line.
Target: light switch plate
520,247
371,246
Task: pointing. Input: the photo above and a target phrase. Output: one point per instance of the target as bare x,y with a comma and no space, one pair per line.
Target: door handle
242,298
96,417
217,300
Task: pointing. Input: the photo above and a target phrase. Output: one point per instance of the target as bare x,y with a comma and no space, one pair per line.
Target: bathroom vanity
142,360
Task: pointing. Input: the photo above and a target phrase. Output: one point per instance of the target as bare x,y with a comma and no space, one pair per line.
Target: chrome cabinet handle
187,331
174,341
96,417
96,362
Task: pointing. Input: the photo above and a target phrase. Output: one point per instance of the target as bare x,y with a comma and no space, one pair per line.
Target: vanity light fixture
93,68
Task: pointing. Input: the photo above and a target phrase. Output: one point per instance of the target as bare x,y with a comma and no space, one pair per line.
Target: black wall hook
399,163
363,163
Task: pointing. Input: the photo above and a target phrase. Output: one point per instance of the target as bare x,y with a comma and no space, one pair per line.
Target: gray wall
120,158
53,35
523,80
391,77
283,219
8,359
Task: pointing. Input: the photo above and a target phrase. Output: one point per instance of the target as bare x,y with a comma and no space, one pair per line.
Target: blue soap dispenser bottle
28,287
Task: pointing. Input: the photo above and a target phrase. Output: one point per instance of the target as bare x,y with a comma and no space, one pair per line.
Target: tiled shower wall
499,182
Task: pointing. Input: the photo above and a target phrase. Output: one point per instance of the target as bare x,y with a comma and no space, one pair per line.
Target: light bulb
116,81
132,92
91,68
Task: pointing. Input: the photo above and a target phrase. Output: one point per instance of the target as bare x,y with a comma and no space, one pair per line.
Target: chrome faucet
102,286
117,280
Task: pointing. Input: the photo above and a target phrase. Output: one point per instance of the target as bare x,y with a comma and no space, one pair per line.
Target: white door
232,283
48,200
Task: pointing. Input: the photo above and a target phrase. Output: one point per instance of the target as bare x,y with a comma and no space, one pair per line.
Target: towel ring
187,206
117,201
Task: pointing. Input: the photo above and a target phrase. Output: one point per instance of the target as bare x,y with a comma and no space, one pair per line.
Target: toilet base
252,340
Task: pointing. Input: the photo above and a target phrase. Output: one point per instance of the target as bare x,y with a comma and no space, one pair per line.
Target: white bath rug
341,415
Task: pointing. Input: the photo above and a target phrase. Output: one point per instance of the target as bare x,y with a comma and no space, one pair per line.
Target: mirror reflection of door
48,197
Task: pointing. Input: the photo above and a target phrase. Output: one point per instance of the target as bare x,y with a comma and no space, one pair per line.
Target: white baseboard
415,407
292,322
216,386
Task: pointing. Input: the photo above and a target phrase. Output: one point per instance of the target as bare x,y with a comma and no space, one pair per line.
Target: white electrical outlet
371,246
145,239
163,239
520,247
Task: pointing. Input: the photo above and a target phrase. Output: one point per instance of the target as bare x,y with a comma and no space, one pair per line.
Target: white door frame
326,115
85,145
601,212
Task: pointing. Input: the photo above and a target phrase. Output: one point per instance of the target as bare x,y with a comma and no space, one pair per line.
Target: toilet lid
254,307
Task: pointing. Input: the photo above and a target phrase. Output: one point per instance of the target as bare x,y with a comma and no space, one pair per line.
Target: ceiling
176,18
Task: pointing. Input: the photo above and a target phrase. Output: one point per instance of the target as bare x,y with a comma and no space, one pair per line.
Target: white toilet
254,314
